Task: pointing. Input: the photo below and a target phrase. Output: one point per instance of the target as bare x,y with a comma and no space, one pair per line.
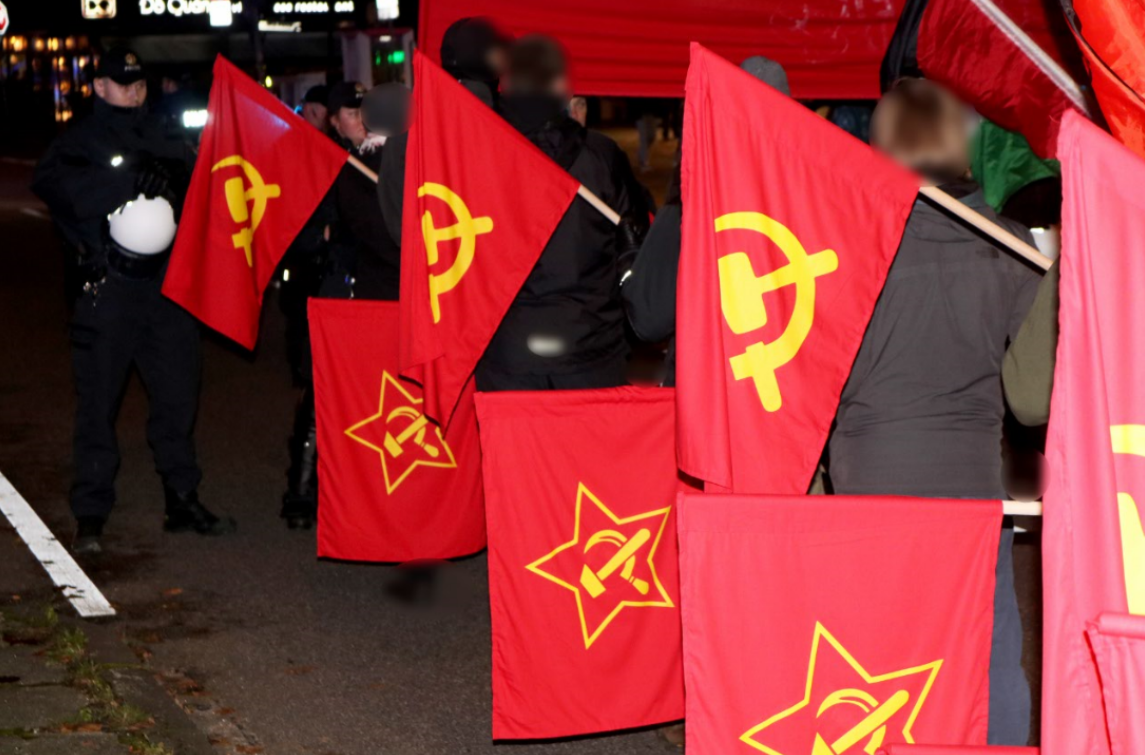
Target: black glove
629,237
153,178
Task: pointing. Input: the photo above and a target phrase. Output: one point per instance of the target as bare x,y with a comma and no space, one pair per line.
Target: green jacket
1028,367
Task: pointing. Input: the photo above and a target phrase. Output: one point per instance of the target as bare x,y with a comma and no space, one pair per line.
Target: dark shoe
89,530
186,514
414,585
299,513
300,502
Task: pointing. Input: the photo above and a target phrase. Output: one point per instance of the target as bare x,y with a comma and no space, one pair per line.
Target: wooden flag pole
1022,508
598,204
361,166
987,226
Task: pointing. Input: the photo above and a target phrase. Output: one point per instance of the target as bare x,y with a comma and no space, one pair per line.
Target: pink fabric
1097,386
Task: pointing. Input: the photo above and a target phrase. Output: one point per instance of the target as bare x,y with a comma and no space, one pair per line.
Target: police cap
121,65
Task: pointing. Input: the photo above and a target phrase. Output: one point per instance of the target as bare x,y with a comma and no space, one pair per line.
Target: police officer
362,262
115,185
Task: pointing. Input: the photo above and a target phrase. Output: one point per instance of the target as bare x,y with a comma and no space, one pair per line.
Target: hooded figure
565,329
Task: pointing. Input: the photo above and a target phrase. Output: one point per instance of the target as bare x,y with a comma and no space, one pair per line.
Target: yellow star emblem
402,435
896,706
627,578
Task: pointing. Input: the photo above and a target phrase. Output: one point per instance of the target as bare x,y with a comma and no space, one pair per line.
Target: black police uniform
121,319
362,262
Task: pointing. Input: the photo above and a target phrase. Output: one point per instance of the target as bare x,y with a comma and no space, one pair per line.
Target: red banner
581,489
1122,106
480,204
835,624
260,174
392,486
790,225
1092,543
639,48
964,44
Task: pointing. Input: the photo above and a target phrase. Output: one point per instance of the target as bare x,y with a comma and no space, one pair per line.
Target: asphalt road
308,657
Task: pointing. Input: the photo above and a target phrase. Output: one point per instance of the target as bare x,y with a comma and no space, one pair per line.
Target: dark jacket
921,413
650,291
568,315
92,168
359,238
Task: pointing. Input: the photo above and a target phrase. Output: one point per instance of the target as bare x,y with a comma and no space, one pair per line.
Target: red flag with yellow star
790,225
581,491
392,485
823,625
480,204
260,174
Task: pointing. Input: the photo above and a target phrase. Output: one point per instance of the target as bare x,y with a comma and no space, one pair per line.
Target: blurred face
578,110
315,114
121,95
348,123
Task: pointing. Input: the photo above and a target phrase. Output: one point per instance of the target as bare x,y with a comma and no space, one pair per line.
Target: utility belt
136,266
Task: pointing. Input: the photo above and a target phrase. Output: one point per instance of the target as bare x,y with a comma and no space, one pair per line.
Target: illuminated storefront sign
180,7
313,6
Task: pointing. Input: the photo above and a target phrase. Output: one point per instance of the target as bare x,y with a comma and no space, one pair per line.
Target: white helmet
143,226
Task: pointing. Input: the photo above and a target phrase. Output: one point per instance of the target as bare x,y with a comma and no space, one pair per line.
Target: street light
221,13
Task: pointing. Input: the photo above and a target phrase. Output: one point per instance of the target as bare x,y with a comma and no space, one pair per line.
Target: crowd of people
921,415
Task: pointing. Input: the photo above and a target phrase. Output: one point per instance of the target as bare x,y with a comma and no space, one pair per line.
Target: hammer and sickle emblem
415,430
741,299
1130,439
624,559
467,229
237,198
874,725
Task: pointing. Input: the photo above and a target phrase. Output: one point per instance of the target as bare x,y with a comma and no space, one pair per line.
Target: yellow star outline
448,462
666,602
822,633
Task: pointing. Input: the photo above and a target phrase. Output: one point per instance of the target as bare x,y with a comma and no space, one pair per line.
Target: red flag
829,624
790,225
1093,545
967,44
581,489
1122,106
480,204
392,486
260,174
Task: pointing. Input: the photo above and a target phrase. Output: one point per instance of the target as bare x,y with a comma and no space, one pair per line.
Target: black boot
89,530
186,514
300,501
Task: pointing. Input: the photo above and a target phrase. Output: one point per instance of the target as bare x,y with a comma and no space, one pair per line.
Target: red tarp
831,48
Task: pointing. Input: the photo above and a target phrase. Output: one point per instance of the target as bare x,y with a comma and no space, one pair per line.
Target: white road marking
57,562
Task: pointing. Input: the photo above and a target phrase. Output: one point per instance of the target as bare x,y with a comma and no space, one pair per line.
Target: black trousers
607,375
123,323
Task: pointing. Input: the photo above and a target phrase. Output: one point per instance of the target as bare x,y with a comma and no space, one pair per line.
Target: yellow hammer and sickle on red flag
741,299
238,195
874,725
1130,439
466,228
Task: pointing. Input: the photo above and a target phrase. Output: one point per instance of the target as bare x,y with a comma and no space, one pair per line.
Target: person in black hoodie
921,413
566,327
99,170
